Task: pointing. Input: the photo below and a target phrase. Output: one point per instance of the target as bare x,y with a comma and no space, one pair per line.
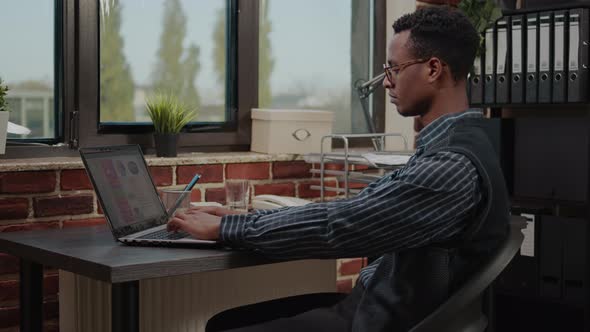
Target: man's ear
435,69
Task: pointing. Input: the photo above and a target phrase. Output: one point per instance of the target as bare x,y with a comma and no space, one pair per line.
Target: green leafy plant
168,114
3,91
482,14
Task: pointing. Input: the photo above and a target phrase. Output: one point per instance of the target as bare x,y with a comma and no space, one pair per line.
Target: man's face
407,85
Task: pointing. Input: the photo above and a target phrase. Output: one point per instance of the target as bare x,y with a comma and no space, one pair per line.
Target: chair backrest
462,312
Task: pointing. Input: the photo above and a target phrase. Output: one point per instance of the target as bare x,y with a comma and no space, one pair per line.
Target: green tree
265,60
176,68
116,82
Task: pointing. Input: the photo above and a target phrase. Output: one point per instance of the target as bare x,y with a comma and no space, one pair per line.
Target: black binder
532,56
550,256
490,66
502,61
559,56
574,260
476,83
545,57
578,55
517,59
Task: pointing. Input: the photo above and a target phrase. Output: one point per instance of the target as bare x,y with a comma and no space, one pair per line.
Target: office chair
462,312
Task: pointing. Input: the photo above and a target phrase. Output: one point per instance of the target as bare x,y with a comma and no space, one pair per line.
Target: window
187,47
307,59
79,71
28,67
176,46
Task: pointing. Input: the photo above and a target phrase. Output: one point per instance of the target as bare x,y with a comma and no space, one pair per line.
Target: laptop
129,198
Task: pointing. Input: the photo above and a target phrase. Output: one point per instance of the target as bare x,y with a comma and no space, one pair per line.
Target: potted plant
169,116
482,14
3,117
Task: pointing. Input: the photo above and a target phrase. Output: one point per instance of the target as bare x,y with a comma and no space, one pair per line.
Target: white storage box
290,131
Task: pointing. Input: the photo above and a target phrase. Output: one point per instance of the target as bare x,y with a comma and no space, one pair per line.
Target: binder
545,58
476,83
574,260
490,77
502,64
578,55
559,57
532,47
551,253
517,59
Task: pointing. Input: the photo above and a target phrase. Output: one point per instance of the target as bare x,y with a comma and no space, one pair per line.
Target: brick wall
64,198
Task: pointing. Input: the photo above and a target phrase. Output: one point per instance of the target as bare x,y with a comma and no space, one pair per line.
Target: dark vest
409,285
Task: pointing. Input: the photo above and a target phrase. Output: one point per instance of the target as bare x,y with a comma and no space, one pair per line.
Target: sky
310,40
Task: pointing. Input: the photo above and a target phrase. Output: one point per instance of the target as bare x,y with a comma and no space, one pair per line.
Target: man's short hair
441,32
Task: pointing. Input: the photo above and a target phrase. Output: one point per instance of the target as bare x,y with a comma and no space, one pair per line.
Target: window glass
175,46
305,56
27,65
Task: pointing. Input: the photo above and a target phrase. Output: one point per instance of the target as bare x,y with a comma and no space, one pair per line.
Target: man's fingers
175,224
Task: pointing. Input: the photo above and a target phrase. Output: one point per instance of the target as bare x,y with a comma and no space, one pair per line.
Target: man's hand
200,225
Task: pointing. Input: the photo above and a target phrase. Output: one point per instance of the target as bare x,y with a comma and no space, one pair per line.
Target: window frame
77,86
233,135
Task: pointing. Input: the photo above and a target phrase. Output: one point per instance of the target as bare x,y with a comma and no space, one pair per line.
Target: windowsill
195,158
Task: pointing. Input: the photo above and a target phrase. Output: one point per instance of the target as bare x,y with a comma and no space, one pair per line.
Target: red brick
209,173
306,192
8,264
75,179
84,222
332,167
27,182
352,185
99,209
9,316
14,208
281,189
51,325
9,289
29,226
162,175
290,169
215,195
344,286
252,171
360,167
196,195
351,267
63,205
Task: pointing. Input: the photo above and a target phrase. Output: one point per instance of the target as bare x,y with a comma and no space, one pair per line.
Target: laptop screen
125,188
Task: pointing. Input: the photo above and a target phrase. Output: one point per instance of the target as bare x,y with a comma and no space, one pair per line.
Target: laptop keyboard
163,234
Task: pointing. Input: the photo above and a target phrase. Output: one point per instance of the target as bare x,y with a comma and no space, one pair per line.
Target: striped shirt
427,201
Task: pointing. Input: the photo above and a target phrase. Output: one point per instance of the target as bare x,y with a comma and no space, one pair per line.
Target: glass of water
237,193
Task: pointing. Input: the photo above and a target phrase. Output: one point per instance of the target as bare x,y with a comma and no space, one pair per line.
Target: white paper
516,46
532,45
502,50
13,128
559,43
489,69
528,244
544,49
387,159
574,41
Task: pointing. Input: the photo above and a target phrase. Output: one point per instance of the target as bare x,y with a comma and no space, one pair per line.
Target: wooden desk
91,254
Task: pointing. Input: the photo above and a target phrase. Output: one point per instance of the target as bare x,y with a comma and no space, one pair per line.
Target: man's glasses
391,72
